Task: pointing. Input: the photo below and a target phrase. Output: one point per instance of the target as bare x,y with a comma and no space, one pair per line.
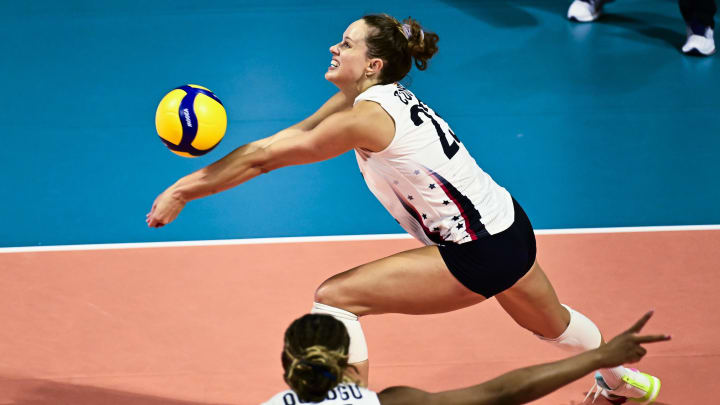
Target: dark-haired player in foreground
315,359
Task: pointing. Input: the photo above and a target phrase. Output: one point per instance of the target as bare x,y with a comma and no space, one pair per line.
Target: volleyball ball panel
167,120
212,122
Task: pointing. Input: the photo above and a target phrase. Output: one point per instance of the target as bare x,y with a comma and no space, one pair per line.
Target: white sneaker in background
585,10
699,42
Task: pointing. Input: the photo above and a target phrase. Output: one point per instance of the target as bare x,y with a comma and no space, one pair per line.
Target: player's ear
374,67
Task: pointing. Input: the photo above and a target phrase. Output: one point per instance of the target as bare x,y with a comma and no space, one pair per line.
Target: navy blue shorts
492,264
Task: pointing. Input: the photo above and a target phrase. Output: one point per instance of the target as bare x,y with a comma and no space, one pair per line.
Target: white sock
581,335
358,347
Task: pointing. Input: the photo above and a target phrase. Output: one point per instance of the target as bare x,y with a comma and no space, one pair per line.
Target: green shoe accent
651,391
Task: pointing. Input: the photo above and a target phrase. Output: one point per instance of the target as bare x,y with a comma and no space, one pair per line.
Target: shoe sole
591,19
696,52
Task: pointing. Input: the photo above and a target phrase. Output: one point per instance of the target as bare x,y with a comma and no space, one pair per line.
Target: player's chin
333,76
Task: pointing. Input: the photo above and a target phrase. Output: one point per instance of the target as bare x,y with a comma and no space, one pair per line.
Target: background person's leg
699,18
698,11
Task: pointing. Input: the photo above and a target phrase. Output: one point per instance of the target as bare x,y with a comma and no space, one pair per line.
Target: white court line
339,238
628,229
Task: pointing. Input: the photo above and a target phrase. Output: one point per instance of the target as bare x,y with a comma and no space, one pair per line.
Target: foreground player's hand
627,346
164,210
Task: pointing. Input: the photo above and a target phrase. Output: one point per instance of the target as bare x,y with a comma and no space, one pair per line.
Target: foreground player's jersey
427,179
343,394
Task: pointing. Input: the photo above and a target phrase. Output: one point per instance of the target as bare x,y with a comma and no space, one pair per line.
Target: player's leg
701,12
416,281
533,304
431,279
700,22
411,282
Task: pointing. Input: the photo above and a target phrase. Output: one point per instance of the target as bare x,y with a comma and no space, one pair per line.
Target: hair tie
319,369
407,31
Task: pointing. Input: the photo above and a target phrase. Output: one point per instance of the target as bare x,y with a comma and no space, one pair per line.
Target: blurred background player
698,16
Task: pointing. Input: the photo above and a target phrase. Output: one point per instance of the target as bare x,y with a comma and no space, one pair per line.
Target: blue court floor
588,125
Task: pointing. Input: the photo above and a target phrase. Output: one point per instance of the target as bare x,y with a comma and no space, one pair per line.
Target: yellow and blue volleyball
191,120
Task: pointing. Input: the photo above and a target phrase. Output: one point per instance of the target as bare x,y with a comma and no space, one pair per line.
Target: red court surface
204,325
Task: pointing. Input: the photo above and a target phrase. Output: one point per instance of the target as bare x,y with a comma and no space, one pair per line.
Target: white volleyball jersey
427,179
343,394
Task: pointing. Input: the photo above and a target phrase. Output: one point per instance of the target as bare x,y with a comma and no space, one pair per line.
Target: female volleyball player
479,242
315,359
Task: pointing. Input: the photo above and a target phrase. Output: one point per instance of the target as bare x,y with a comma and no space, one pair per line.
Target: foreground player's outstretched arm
337,103
362,127
530,383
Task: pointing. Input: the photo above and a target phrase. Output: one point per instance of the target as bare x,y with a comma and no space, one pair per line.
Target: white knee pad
580,335
358,348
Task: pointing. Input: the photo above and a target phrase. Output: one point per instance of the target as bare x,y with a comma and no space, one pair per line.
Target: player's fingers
640,323
154,223
652,338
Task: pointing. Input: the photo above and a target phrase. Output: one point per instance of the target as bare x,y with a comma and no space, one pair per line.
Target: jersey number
450,149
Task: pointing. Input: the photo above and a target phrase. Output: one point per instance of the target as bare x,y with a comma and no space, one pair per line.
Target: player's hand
627,346
164,210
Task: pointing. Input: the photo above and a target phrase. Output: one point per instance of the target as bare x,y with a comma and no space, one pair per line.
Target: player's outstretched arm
530,383
366,126
339,102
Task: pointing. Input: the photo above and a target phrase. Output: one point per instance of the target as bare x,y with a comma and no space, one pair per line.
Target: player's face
349,56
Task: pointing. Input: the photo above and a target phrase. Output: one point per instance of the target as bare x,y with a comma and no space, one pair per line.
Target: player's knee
581,334
336,295
329,294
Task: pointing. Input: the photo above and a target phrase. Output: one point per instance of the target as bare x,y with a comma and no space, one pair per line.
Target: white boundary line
340,238
221,242
628,229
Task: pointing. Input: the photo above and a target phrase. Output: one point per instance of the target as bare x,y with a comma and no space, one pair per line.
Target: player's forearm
237,167
530,383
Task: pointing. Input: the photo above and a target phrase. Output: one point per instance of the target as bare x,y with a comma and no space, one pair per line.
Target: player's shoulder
375,101
366,108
